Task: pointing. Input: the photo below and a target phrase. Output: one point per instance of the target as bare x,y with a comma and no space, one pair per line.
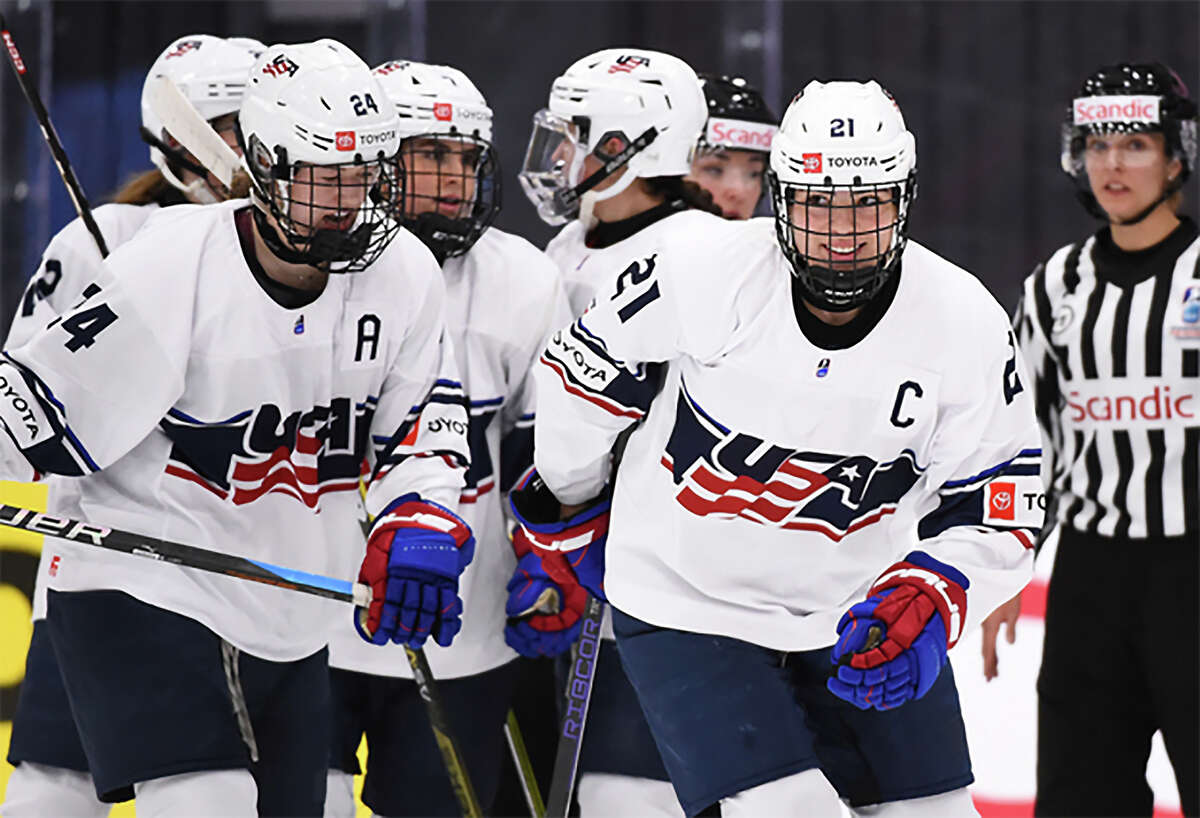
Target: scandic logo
1157,404
1089,110
1001,505
735,134
443,111
812,162
344,140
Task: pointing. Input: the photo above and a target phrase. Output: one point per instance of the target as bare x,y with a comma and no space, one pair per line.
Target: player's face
1127,172
733,177
328,197
441,176
843,229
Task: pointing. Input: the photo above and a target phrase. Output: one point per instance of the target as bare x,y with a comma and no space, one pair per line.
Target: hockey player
233,403
1110,326
732,157
825,464
502,299
51,775
609,156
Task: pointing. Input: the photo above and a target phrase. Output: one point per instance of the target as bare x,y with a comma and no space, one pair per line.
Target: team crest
1189,315
627,62
728,474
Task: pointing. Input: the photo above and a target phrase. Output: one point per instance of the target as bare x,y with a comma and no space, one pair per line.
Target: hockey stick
51,136
529,783
460,782
190,130
188,556
578,694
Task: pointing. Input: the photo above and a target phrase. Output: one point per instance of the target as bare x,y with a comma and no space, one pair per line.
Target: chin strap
567,199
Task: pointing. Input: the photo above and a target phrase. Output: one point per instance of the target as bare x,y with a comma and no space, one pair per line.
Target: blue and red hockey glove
544,617
579,540
415,553
892,646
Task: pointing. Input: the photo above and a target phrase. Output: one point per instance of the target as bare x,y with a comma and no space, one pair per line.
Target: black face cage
449,200
832,285
340,226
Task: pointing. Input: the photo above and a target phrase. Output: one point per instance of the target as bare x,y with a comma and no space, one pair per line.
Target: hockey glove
579,540
415,553
544,617
917,610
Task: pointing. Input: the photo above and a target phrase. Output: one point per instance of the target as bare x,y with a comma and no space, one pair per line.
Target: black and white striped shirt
1113,340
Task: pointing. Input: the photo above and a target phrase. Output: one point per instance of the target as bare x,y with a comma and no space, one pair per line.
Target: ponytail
679,189
149,187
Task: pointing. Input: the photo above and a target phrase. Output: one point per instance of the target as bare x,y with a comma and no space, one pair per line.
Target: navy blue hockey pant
154,694
728,715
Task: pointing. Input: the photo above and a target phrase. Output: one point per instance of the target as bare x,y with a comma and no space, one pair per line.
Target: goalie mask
452,172
1130,98
320,140
211,74
646,103
843,178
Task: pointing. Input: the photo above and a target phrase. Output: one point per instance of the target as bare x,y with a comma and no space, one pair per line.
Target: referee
1110,327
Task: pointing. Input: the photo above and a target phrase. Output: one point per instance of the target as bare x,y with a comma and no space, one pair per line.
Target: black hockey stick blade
188,556
529,782
51,136
578,694
452,756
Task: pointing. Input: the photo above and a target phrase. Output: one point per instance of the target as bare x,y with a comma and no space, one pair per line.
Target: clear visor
553,166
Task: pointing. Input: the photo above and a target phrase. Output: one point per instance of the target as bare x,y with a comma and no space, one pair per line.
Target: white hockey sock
603,795
808,793
339,795
38,790
953,804
229,793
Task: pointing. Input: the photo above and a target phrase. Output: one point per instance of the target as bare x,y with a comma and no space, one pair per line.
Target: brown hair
677,188
151,187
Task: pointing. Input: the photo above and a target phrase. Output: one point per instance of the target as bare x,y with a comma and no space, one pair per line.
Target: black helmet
738,116
1114,100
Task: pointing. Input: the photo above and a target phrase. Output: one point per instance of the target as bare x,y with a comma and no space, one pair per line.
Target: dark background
983,85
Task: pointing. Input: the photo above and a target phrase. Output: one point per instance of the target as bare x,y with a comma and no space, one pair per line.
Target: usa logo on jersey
729,474
254,453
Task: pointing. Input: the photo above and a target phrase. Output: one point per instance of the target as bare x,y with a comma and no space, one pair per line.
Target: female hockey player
1110,326
232,404
51,775
731,160
502,299
824,464
617,140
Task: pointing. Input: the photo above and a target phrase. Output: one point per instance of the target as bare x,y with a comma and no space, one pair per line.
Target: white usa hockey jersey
503,298
204,412
585,270
773,480
70,262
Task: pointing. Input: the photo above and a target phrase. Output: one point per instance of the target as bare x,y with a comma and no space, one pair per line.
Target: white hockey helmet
440,102
843,137
317,104
652,101
211,73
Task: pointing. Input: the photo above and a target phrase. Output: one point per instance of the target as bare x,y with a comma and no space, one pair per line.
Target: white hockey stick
185,124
